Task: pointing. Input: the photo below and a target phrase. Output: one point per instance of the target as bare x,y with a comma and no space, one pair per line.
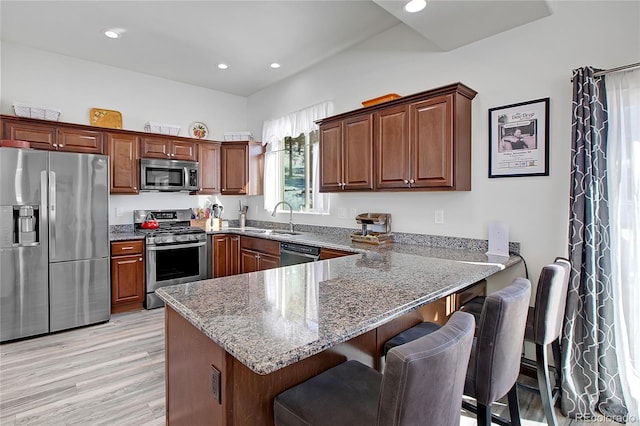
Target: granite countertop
270,319
123,236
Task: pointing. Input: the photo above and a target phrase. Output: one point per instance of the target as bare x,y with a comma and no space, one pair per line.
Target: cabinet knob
135,187
412,181
55,145
140,259
168,155
223,189
406,181
60,145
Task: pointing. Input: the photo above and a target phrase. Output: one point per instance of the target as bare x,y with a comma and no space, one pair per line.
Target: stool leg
514,409
557,361
483,414
544,384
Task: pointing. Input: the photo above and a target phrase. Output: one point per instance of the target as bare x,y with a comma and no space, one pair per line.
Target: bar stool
422,385
544,325
495,355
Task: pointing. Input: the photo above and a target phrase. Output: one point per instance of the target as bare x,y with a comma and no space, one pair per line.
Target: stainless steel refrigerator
54,241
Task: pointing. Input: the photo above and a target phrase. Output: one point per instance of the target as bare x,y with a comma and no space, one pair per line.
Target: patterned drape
590,378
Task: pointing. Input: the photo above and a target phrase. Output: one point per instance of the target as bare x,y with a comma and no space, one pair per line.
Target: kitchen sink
271,232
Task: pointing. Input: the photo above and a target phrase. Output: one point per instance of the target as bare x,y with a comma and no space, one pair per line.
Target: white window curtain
623,169
273,134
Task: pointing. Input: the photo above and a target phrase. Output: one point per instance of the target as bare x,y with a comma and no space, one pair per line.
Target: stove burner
174,227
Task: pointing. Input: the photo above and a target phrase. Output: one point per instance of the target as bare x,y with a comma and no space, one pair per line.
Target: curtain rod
622,68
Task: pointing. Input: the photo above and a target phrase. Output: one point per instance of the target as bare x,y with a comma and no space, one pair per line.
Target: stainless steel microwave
168,175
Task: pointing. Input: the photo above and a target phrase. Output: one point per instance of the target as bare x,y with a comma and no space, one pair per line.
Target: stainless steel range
175,252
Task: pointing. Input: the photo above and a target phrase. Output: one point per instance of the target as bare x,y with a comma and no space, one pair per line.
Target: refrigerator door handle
52,214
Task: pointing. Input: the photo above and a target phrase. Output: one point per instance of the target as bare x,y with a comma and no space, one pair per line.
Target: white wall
75,86
530,62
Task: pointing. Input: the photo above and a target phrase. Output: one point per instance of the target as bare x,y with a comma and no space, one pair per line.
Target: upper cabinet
168,149
54,137
209,168
346,155
419,142
124,156
241,168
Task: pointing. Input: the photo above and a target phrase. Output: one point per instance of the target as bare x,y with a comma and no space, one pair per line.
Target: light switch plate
498,239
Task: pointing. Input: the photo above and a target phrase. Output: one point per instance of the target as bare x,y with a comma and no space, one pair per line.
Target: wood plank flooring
113,374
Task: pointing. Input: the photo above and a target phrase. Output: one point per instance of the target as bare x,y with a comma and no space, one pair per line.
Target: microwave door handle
52,214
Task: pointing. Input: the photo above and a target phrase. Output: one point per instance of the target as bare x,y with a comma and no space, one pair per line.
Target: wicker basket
34,111
163,129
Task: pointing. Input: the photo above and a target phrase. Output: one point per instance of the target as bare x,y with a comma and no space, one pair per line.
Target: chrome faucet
275,209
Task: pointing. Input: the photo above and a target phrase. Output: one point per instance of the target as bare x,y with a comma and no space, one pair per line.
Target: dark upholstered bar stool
495,355
544,325
422,385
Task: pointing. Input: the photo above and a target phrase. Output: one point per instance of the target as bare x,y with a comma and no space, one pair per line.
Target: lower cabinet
326,253
127,275
226,255
440,310
257,254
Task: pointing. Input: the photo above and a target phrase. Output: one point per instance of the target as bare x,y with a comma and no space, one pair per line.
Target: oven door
173,264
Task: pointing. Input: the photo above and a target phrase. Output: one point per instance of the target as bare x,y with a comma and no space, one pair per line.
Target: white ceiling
185,40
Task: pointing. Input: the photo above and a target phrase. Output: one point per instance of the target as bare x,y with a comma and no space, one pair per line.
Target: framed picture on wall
518,139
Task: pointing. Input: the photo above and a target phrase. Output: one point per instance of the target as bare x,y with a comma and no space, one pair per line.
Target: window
298,171
292,166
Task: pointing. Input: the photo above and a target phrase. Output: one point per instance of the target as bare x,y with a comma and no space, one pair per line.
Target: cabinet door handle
127,248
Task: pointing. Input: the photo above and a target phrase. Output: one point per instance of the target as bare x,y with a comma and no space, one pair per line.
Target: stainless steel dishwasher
293,253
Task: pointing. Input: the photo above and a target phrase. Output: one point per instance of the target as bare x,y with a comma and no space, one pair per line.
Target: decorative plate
105,118
198,130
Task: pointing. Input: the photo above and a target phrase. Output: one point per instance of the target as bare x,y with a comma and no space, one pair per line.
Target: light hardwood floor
113,374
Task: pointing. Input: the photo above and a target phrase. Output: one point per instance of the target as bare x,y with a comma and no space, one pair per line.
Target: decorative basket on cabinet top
34,111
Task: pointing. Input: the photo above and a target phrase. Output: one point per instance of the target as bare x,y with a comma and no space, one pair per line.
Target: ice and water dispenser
25,225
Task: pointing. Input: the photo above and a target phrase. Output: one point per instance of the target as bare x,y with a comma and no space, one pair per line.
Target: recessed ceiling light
112,34
223,66
414,6
275,65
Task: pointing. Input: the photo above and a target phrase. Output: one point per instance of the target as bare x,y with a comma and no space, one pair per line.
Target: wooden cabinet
127,275
420,142
226,255
440,310
209,168
44,135
124,163
346,154
326,253
258,254
168,149
41,136
415,146
241,168
80,140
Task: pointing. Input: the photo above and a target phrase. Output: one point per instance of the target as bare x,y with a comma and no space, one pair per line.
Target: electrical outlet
342,213
439,216
353,212
216,385
119,212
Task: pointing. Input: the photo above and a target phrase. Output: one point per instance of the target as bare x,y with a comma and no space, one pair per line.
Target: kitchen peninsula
233,343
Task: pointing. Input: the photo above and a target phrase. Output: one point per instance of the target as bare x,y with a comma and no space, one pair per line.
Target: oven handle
175,246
